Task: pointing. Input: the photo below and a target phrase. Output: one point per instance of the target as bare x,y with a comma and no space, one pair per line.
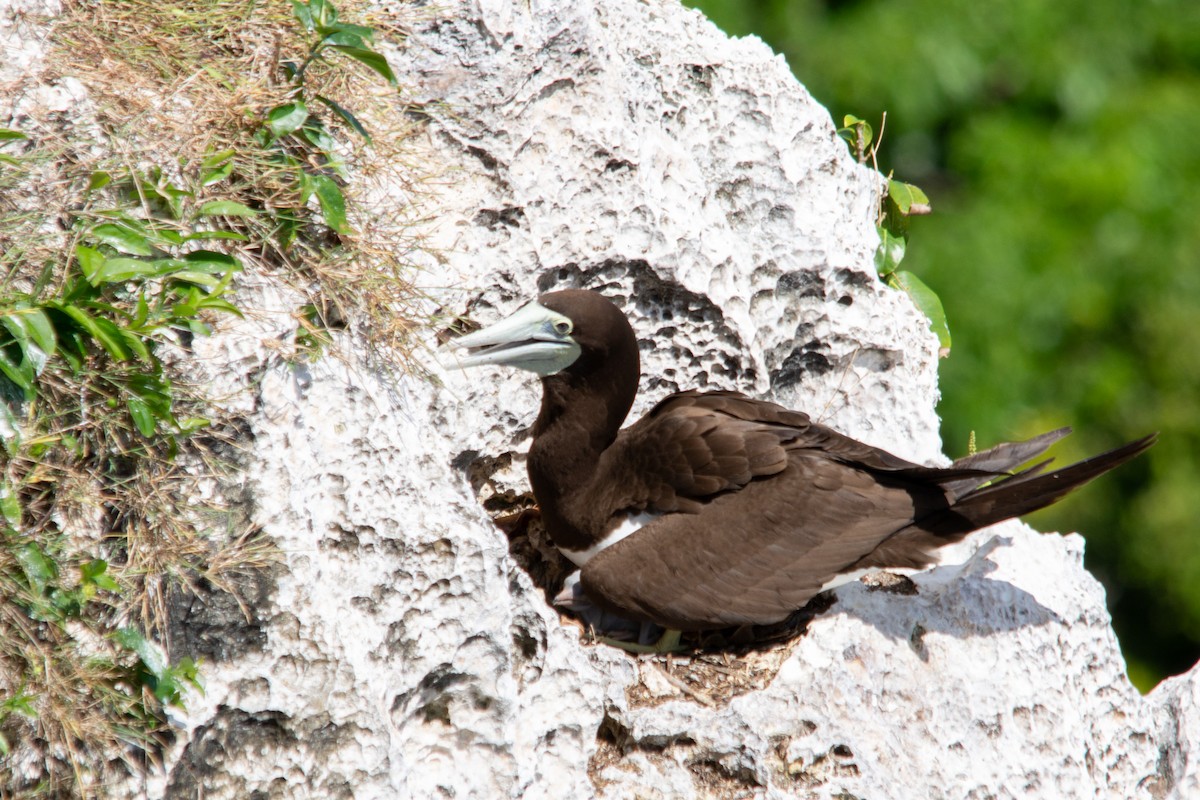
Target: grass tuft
212,138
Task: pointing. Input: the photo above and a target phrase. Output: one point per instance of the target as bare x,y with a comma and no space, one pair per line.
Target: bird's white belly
847,577
625,526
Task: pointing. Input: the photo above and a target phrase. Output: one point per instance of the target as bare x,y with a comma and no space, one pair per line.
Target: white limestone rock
637,149
23,36
1176,706
1000,678
399,650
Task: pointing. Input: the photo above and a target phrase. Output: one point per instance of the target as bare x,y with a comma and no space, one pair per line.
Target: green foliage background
1060,145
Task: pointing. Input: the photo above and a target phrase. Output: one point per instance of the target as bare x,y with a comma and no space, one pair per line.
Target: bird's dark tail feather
1031,489
1001,459
975,506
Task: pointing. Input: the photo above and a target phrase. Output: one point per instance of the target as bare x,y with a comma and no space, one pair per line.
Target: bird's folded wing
693,446
755,555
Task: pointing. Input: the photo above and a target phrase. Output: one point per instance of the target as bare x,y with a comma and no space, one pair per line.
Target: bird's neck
578,421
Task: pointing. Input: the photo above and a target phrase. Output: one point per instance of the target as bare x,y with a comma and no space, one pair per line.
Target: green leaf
858,135
99,329
91,261
155,390
217,158
928,302
197,277
202,235
225,208
40,330
346,117
132,640
190,299
212,261
166,195
142,417
39,569
286,118
307,187
190,424
94,572
141,312
8,134
211,301
66,603
290,70
123,238
164,680
318,137
303,14
361,31
10,506
199,328
905,196
21,373
73,347
119,270
889,253
371,59
98,180
288,223
323,13
30,328
168,687
857,131
16,329
169,236
111,338
11,443
164,267
342,38
136,343
333,203
111,310
217,174
22,703
188,670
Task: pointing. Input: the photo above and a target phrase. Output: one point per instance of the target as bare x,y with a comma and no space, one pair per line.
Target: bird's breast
622,526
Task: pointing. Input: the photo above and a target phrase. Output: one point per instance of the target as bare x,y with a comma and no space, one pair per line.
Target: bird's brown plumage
759,505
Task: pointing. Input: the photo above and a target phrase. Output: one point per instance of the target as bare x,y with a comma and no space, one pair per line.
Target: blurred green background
1059,143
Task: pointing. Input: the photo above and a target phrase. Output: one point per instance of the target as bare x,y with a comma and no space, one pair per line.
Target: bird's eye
562,327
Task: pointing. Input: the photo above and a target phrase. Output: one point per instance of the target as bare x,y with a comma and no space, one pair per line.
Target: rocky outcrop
403,648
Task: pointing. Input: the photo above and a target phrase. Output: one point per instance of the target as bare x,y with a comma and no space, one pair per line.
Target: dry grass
141,58
168,84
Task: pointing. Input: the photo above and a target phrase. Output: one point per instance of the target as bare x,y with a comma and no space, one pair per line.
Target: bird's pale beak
534,338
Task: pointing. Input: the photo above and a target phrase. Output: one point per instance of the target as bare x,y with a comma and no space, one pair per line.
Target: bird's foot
667,643
611,629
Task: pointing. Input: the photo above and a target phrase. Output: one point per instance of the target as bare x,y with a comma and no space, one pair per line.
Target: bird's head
568,331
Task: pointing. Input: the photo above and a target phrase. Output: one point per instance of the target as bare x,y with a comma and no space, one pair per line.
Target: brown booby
716,509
